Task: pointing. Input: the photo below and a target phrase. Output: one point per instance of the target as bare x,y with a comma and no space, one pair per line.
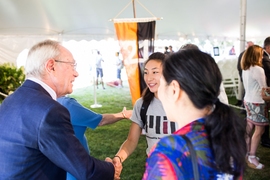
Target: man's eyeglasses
73,64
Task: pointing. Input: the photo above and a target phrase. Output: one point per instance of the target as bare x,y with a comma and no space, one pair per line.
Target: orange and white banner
136,40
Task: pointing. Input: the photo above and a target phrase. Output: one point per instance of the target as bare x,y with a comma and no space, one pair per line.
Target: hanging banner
136,40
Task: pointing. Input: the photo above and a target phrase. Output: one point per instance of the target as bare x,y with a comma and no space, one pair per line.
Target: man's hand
117,167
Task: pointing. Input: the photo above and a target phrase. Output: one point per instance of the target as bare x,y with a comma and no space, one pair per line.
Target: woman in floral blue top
188,91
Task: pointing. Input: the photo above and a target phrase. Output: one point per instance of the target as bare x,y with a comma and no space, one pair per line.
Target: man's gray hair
38,55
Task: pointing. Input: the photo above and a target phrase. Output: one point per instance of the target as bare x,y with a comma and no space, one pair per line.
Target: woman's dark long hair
147,95
199,76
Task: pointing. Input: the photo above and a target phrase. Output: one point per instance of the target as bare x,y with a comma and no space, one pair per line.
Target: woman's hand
126,113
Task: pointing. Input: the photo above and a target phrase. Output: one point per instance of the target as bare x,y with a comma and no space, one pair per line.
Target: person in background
119,67
232,51
166,52
99,70
157,125
240,85
265,141
170,49
254,81
37,138
115,83
222,94
189,90
81,118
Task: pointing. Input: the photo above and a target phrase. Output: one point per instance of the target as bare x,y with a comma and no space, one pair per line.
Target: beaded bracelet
119,158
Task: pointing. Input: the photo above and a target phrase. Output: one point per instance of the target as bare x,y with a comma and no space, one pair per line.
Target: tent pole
134,10
243,12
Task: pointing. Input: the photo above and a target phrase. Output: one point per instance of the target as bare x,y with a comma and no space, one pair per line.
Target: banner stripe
136,42
127,37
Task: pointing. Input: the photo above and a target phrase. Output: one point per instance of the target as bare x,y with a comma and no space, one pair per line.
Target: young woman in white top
157,125
254,81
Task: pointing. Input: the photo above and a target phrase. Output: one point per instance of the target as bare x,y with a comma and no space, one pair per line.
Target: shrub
11,78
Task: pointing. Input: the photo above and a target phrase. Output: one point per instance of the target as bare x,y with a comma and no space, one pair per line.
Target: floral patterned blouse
170,158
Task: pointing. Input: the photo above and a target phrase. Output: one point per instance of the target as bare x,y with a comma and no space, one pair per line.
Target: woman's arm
265,94
130,143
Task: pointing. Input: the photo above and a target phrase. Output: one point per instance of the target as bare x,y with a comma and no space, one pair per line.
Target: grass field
105,141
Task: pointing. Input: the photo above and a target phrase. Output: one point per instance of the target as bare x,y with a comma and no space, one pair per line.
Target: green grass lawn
105,141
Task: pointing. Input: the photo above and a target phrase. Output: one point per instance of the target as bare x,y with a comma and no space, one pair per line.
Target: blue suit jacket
37,140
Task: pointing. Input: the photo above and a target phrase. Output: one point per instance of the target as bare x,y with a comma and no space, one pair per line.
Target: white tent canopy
24,22
90,19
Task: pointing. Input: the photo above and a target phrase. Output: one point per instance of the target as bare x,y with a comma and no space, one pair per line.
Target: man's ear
50,65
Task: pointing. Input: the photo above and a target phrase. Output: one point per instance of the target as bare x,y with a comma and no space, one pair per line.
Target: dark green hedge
11,78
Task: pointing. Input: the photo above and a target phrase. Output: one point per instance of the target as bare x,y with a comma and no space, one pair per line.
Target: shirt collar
45,86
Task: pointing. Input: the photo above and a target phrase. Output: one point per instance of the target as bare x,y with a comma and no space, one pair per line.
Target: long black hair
199,76
147,95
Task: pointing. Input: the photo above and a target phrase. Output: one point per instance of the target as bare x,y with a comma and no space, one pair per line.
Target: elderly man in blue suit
37,140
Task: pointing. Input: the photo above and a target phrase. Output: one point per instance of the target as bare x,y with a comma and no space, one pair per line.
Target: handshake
117,163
